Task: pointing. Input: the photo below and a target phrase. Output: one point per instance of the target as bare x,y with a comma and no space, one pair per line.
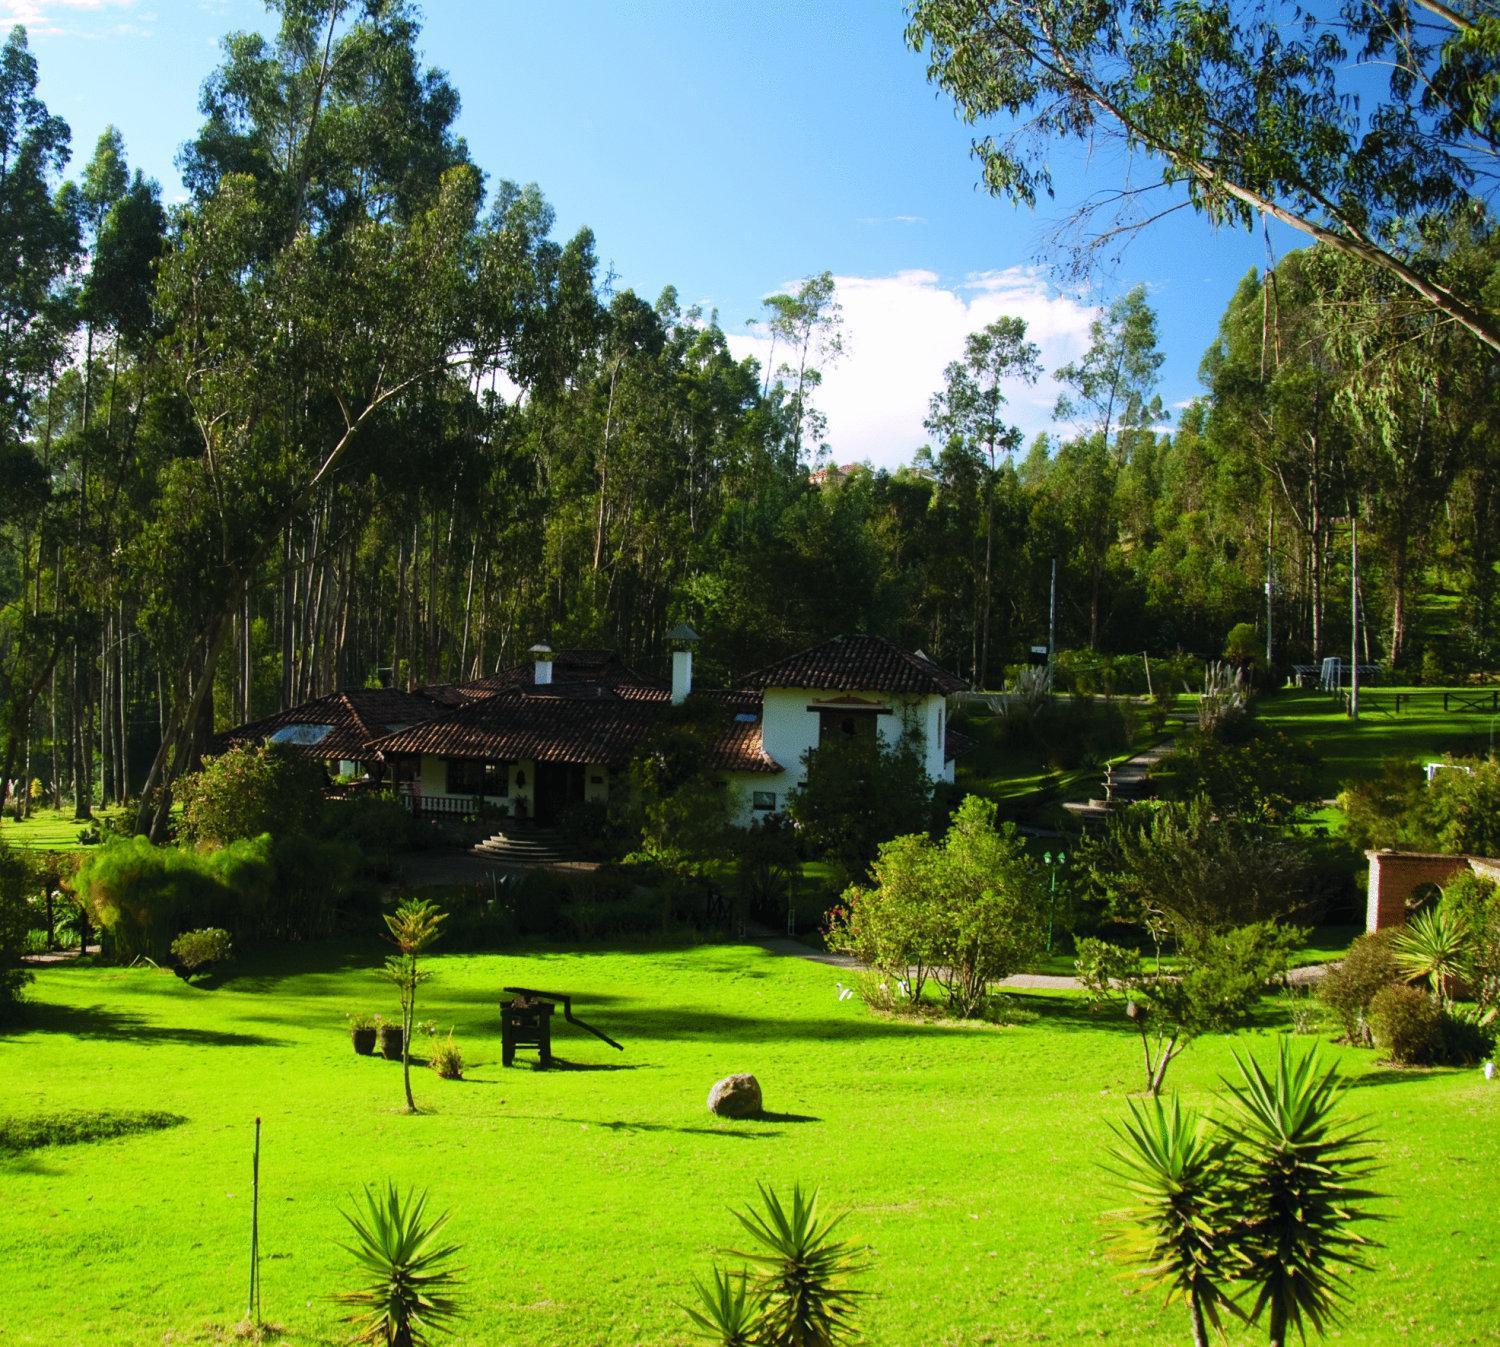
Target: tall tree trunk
1399,552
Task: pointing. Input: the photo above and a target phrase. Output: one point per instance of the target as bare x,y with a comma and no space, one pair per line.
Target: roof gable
857,664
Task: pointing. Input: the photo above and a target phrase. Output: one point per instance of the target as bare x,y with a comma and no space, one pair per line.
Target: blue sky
727,149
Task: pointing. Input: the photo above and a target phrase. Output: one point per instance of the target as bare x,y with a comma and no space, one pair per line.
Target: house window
843,726
465,776
497,778
763,800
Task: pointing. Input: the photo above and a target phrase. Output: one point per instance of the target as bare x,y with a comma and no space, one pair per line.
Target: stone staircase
526,844
1127,785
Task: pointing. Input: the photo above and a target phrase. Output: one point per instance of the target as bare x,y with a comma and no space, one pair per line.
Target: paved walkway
1049,982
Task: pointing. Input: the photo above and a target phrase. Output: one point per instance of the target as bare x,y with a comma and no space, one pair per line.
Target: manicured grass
586,1198
49,829
1352,750
1021,780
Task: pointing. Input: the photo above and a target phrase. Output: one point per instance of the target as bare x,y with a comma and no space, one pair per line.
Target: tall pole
1270,575
1052,622
1354,615
252,1309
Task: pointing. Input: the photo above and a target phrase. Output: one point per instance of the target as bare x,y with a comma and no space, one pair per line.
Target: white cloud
53,17
902,330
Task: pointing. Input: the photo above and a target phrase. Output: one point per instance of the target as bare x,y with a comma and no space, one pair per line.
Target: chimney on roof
542,653
683,639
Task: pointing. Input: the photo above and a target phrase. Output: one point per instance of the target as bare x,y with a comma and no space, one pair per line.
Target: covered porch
525,790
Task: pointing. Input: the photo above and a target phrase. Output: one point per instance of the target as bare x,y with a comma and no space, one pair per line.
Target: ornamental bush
966,911
1407,1025
248,790
16,879
1351,984
142,896
197,950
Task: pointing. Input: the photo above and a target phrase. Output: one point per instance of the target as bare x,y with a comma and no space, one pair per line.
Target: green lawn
1349,750
586,1198
48,829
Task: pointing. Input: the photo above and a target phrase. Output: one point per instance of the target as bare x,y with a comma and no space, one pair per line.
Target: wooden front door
558,785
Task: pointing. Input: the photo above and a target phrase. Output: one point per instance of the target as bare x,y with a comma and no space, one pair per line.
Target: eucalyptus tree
331,266
36,316
968,413
1274,378
1418,397
1110,398
809,324
1250,111
42,237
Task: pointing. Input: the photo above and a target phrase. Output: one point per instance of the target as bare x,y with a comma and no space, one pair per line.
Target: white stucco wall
789,730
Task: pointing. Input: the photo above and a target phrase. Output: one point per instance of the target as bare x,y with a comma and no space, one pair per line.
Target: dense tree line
352,413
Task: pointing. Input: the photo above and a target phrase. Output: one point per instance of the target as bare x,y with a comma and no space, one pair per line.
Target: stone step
528,846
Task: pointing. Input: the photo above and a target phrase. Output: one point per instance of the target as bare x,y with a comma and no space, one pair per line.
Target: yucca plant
726,1313
1299,1174
1174,1166
1433,948
800,1274
407,1267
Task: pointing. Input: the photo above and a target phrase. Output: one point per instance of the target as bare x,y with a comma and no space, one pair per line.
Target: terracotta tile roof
857,664
955,745
570,668
576,724
738,747
353,718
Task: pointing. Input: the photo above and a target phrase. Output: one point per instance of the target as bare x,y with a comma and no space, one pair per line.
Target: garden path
1054,982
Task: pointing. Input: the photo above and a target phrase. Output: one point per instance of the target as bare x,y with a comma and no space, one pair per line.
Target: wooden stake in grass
252,1308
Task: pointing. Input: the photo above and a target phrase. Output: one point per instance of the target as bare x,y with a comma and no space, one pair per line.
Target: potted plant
392,1039
363,1031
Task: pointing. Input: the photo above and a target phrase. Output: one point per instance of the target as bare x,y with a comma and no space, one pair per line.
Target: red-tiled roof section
355,717
857,664
570,669
955,745
571,724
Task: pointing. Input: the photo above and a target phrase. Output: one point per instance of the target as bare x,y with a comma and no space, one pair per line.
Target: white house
531,741
848,687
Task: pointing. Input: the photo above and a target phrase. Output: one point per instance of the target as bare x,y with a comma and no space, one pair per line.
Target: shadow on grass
1395,1075
12,1162
1071,1012
622,1127
99,1022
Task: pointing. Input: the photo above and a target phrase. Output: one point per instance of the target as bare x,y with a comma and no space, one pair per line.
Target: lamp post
1053,864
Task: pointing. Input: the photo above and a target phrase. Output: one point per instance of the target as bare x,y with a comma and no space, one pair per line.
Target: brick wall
1396,875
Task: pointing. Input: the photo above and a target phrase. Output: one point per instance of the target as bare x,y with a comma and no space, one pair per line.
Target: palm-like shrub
726,1312
1261,1205
408,1270
800,1273
795,1291
1433,948
1299,1170
413,927
1172,1164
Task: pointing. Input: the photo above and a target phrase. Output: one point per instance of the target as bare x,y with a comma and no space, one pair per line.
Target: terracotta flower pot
391,1042
364,1041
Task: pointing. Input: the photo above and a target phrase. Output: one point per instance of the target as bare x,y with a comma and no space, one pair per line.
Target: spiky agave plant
726,1313
1299,1174
1433,948
408,1269
1174,1166
800,1273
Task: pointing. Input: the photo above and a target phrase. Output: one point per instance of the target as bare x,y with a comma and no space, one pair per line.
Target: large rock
735,1097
